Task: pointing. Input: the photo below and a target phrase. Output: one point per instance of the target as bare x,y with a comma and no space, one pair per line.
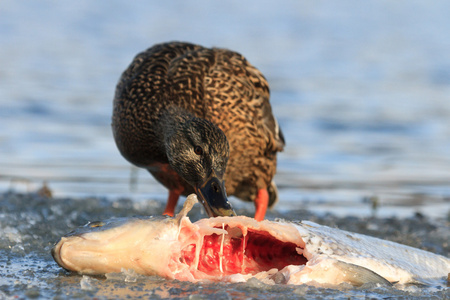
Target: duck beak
212,195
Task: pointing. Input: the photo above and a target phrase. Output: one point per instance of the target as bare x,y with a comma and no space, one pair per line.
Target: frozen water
88,283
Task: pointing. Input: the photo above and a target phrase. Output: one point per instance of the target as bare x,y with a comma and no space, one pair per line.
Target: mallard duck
199,120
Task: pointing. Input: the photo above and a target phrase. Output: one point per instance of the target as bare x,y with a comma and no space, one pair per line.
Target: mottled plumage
173,88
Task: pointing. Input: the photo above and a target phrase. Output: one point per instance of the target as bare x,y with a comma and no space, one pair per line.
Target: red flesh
262,253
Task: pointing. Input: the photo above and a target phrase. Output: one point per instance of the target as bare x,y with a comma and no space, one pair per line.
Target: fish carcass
235,249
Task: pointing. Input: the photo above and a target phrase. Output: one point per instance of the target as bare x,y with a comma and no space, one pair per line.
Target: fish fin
420,282
187,206
358,275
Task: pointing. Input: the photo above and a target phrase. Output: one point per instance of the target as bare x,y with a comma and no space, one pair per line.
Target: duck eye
198,150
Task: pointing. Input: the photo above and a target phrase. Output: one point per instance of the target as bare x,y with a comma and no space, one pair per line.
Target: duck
200,121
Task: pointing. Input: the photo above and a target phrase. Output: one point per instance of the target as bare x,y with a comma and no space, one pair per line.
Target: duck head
198,151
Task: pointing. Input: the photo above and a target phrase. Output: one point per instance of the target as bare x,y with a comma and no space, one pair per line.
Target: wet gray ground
31,223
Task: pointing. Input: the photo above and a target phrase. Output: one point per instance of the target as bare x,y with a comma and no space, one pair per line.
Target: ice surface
88,283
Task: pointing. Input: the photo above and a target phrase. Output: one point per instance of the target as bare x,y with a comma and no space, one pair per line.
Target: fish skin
122,243
395,262
153,246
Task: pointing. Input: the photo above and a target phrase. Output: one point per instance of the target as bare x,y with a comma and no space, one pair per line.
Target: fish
238,248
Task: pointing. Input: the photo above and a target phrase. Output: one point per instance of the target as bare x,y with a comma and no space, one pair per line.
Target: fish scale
385,257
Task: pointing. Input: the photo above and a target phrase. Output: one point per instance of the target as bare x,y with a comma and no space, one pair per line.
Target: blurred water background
361,90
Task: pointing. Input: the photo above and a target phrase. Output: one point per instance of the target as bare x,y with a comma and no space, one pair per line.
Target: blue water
361,90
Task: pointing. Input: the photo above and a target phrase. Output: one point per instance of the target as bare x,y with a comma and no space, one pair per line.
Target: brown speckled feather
215,84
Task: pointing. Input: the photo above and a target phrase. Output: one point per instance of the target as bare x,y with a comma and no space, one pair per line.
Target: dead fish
235,249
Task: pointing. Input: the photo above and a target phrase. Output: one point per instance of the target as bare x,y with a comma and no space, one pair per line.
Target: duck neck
172,123
172,120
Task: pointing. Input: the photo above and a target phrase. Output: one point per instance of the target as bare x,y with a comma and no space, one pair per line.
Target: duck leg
261,203
172,202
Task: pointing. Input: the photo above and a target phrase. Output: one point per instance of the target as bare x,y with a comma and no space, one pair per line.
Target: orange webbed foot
172,203
261,203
